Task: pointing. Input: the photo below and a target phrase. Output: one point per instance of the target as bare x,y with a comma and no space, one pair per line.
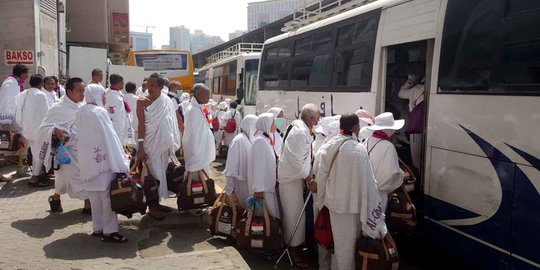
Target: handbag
127,196
323,226
196,193
225,214
9,140
376,254
175,175
150,186
259,233
417,118
401,212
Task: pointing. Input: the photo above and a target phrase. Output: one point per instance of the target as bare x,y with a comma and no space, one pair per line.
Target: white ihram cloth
132,101
415,95
262,166
32,106
99,148
9,89
218,135
62,116
52,96
236,168
278,140
121,120
96,90
294,166
350,188
162,138
238,118
385,163
199,144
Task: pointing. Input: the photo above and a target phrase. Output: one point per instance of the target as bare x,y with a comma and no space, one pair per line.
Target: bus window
161,61
302,46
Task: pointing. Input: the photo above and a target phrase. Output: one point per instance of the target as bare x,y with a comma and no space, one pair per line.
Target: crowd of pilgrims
347,161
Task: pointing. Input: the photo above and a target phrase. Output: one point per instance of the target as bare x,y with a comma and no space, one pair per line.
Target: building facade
201,41
236,34
179,38
265,12
141,40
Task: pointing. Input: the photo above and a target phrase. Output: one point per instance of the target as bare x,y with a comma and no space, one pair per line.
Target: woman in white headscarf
102,154
328,127
277,136
262,164
236,170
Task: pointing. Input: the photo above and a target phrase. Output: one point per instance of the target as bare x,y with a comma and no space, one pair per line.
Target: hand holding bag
196,193
175,175
150,186
126,195
259,233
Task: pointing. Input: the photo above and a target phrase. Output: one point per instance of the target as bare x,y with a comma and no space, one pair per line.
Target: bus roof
337,18
157,51
247,56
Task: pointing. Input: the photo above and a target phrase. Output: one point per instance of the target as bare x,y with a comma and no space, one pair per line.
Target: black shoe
56,205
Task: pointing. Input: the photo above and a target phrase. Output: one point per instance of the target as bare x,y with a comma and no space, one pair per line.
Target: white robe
52,96
350,187
99,148
238,118
278,143
8,91
294,166
218,135
96,88
162,138
385,163
132,101
262,173
199,144
62,116
236,168
120,117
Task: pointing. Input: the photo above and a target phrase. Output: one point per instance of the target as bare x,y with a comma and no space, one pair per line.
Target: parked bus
175,65
480,164
234,72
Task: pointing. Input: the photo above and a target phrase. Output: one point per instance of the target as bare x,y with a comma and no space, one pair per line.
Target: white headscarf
264,123
184,97
94,95
248,125
276,111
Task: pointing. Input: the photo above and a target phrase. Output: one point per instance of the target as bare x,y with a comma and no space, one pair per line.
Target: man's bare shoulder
143,102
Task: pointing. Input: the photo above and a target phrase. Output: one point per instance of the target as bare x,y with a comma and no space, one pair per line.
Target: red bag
215,124
323,229
230,127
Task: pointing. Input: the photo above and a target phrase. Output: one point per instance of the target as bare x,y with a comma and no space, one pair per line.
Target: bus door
406,93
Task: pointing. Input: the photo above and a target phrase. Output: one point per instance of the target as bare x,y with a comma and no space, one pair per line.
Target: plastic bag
62,155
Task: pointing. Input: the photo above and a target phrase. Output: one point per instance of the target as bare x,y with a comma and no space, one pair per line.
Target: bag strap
369,152
267,222
287,132
203,181
408,168
335,155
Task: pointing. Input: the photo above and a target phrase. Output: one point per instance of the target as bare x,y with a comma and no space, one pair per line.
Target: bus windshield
161,61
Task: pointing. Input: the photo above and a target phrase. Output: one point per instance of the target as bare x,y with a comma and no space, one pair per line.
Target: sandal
56,205
114,238
97,234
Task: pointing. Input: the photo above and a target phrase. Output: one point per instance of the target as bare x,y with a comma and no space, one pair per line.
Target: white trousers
37,164
345,228
103,218
217,136
240,188
158,168
292,202
67,180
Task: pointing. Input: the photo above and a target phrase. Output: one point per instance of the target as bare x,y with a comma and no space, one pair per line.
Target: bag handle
266,220
201,173
225,200
335,156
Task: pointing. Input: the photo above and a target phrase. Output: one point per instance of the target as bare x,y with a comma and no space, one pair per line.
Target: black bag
401,212
376,254
150,187
175,175
9,140
225,215
223,150
196,194
259,233
127,196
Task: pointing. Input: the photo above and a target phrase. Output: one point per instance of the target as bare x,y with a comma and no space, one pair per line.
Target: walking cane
292,235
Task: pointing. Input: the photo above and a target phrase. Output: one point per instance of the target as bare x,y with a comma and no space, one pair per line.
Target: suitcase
150,187
259,233
225,214
9,140
175,175
401,215
127,196
376,254
196,194
223,150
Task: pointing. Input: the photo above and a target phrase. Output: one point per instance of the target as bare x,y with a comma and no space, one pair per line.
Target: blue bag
62,155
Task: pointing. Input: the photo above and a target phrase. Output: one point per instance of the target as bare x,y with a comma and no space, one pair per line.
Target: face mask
280,123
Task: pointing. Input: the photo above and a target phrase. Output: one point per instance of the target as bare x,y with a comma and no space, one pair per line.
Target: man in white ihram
119,110
344,183
32,106
293,168
198,140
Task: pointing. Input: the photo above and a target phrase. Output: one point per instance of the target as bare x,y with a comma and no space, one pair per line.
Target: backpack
230,127
215,124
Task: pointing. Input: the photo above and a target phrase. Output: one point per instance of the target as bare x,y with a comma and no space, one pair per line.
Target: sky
214,17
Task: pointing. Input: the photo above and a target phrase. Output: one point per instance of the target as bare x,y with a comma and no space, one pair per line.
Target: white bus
233,69
480,165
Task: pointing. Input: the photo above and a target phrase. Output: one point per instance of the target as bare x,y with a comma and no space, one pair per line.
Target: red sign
19,57
120,27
